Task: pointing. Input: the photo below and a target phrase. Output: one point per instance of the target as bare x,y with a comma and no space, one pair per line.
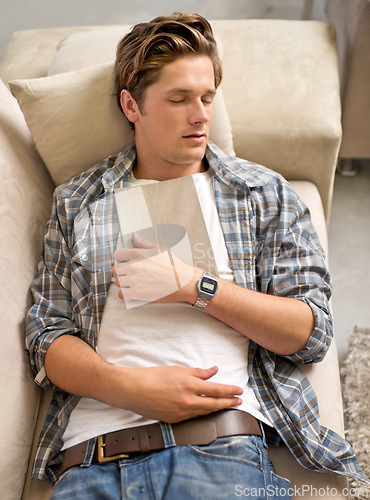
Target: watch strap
201,302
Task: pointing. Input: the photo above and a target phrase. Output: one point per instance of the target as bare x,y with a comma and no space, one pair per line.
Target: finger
119,270
139,242
208,405
122,295
120,255
125,254
216,390
126,293
205,373
134,254
122,281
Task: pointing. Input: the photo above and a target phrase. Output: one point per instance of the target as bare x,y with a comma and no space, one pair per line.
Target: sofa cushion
86,48
75,120
29,52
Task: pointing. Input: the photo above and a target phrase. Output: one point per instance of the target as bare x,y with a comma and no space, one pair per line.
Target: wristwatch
207,288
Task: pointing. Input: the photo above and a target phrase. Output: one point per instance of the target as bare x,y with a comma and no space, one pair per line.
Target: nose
200,113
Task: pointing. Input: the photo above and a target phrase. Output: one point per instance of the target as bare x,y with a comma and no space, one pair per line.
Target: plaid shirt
272,248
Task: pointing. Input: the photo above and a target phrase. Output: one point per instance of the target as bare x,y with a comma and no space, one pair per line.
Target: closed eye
207,100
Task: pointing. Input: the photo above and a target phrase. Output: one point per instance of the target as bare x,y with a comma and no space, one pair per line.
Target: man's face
172,130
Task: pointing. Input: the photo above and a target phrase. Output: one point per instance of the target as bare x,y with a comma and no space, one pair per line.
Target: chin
195,154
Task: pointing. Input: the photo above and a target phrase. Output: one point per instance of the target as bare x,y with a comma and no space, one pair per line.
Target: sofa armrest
281,89
25,183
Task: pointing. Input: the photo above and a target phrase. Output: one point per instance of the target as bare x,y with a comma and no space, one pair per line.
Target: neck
166,171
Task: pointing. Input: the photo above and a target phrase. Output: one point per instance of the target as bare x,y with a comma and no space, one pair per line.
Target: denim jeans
230,467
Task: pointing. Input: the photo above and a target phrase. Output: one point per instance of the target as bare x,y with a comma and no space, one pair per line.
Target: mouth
196,137
196,134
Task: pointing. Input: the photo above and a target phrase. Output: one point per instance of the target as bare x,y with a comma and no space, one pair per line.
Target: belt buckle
101,456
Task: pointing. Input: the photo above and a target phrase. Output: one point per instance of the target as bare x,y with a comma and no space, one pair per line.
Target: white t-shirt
157,334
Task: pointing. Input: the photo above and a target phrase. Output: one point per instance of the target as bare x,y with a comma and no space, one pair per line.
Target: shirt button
85,257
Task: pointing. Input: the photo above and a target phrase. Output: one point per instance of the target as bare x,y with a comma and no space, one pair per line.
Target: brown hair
148,47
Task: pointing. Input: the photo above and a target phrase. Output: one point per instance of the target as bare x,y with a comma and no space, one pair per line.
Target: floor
349,244
349,234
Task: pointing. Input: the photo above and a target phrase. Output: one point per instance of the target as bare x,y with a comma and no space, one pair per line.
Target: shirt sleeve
50,316
291,263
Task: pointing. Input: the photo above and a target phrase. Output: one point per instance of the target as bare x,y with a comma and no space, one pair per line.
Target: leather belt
199,431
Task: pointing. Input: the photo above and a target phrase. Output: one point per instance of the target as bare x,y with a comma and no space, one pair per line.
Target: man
173,398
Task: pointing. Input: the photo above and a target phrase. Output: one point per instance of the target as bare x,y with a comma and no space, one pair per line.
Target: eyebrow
180,90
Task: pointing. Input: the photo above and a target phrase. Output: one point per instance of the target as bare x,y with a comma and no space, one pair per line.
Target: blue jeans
230,467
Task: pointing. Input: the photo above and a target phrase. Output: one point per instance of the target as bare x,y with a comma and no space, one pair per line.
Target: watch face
208,285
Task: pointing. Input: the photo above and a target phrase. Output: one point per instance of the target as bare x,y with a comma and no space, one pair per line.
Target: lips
196,136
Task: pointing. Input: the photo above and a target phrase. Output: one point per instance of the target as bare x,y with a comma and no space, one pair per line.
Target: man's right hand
173,393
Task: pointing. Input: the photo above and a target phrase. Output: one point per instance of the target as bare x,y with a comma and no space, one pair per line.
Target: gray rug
356,399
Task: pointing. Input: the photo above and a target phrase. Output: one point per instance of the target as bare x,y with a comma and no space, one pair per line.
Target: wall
34,14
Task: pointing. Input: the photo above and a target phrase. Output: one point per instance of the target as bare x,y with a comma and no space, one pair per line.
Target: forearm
73,366
279,324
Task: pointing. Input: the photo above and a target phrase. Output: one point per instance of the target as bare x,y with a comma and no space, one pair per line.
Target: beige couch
281,92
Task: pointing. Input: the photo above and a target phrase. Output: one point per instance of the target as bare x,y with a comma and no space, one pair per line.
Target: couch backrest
280,86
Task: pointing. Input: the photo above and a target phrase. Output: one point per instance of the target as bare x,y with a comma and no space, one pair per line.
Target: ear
129,106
